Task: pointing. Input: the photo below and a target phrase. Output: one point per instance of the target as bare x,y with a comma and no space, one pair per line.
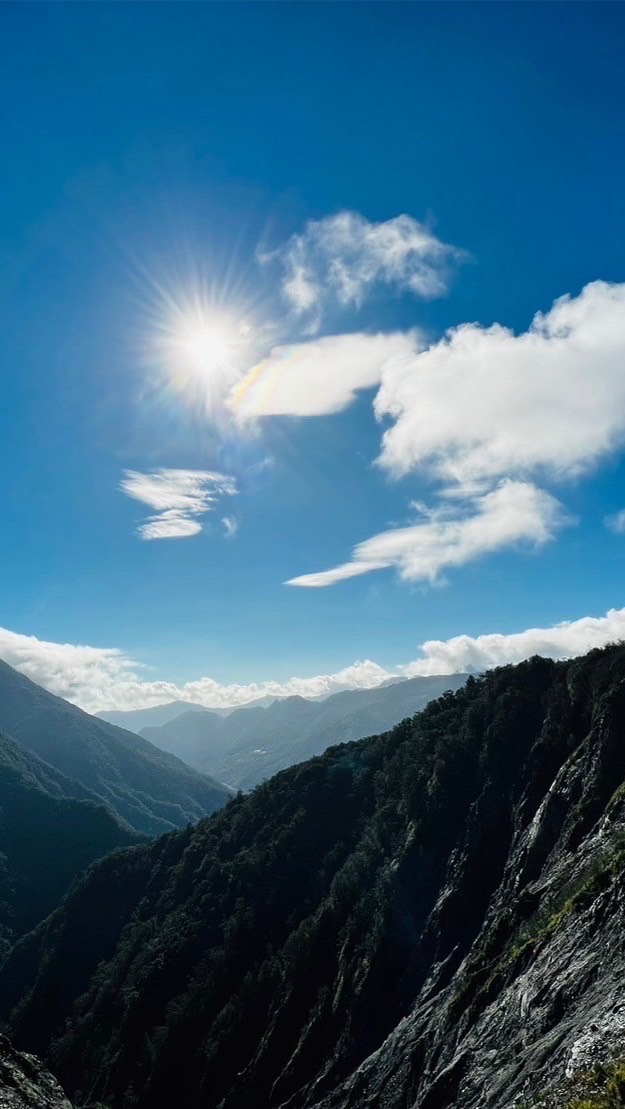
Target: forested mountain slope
427,919
50,830
151,790
253,743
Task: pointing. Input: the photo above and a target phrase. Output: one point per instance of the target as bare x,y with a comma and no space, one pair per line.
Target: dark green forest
51,829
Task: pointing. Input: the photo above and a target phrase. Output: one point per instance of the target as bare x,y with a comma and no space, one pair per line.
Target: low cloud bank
100,678
482,652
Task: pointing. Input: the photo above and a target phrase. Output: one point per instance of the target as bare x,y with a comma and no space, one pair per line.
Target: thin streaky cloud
230,525
179,499
451,536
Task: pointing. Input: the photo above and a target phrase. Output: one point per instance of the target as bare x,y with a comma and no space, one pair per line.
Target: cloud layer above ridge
100,679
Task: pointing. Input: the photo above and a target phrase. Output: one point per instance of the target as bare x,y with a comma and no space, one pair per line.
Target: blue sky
234,239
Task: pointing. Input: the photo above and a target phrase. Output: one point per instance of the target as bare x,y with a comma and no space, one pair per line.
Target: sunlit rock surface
25,1083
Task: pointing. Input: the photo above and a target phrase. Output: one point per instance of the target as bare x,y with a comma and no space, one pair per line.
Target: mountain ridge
134,720
252,743
151,790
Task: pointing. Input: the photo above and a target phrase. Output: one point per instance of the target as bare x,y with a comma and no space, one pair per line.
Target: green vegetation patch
601,1088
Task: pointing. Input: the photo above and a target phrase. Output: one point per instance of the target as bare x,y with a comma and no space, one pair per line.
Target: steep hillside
253,743
430,919
50,830
153,791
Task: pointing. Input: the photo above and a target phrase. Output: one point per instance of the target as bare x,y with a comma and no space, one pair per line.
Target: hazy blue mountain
133,720
253,743
432,918
51,828
151,790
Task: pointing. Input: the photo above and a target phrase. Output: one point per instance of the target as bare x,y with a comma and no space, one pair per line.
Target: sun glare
207,345
206,342
203,352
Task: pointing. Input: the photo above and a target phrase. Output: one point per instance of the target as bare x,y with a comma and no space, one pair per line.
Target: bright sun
203,351
198,344
207,345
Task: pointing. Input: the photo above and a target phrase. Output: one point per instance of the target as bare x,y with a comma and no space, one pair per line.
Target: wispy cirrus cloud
616,522
230,525
452,535
342,257
179,499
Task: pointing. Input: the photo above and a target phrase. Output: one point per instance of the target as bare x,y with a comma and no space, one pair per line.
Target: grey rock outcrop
25,1083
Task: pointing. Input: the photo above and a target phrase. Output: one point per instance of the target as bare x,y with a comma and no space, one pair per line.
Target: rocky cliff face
536,1001
427,920
25,1083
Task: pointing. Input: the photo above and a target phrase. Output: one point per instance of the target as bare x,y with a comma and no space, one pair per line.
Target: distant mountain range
146,788
254,742
135,720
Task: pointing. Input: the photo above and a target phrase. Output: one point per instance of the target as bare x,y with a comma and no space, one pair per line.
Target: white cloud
318,377
450,536
481,412
79,673
482,652
616,523
231,526
342,258
179,498
99,679
169,525
484,403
